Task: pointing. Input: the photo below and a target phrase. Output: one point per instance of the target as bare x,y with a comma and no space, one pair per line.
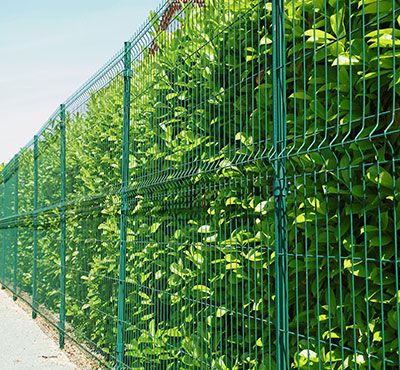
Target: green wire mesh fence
223,194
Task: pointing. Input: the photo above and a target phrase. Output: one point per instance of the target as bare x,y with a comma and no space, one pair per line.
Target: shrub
201,239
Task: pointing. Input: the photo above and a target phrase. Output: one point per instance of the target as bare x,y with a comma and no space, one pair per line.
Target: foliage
201,245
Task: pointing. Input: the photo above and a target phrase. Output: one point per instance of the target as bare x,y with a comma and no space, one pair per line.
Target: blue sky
48,49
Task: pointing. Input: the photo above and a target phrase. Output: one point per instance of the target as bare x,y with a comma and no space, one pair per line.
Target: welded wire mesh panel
48,264
342,166
94,139
92,275
49,176
6,252
2,228
93,180
200,265
9,223
25,220
47,277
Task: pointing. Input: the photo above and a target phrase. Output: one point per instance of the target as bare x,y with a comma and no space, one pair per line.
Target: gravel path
23,345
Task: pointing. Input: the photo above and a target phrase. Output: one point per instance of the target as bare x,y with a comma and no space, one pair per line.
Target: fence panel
25,222
342,155
47,277
9,226
200,265
93,124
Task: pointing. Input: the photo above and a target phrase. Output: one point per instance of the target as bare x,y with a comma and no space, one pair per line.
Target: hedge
201,243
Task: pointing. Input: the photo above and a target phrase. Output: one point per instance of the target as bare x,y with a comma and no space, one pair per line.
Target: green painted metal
62,226
280,183
232,191
35,225
15,226
120,349
3,234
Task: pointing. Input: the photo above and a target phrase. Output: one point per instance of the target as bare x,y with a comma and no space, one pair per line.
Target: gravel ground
23,345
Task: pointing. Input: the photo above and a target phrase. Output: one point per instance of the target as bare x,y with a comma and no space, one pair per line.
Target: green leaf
265,41
202,288
154,227
383,177
318,36
337,23
152,328
205,229
221,311
232,266
232,200
345,60
261,207
174,332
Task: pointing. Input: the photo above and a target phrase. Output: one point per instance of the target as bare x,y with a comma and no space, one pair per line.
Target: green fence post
280,191
35,224
124,207
7,228
16,222
3,243
62,227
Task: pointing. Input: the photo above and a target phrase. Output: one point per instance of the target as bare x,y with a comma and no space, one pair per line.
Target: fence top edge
117,57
